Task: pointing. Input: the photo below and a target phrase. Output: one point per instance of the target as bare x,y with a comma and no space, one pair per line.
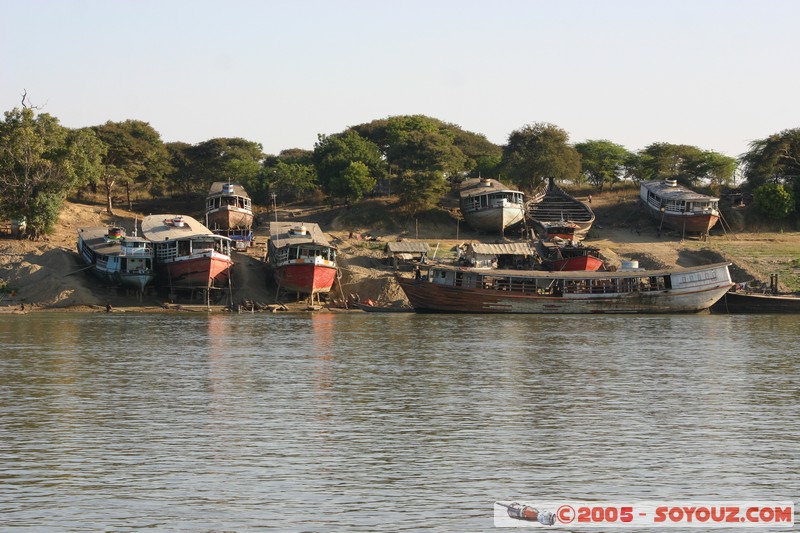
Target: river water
370,422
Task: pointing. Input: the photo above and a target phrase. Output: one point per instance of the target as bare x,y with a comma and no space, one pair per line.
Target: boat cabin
227,195
670,197
544,285
507,255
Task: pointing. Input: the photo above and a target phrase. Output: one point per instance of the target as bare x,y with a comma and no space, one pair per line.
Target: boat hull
698,292
588,263
689,223
227,218
751,303
208,269
555,206
305,278
117,269
494,219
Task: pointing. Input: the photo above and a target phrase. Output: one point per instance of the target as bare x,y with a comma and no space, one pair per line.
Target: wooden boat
742,302
382,308
554,206
742,299
188,254
301,258
557,230
488,205
447,289
116,258
677,207
558,254
229,211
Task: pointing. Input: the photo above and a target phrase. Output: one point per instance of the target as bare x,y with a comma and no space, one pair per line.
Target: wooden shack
406,254
507,255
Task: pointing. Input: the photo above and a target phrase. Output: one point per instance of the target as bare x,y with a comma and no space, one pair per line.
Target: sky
716,74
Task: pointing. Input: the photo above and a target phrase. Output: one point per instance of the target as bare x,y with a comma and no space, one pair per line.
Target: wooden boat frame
465,290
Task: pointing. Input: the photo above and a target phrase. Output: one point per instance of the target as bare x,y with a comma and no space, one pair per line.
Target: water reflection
195,422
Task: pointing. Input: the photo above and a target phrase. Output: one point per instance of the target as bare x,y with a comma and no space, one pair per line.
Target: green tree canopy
223,159
288,178
420,189
774,200
602,161
135,155
687,164
41,162
539,151
774,159
333,155
353,182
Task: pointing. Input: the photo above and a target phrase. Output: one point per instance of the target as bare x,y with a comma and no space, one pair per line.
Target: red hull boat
187,254
301,258
305,278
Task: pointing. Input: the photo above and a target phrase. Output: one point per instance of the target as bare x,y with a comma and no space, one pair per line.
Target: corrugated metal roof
475,186
163,227
288,233
514,248
674,191
407,247
217,186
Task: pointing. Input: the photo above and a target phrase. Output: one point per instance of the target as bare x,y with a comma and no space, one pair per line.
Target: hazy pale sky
716,74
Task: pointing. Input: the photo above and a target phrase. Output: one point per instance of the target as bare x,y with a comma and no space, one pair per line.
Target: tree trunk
109,182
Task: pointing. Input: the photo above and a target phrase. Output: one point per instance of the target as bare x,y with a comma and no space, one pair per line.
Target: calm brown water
363,422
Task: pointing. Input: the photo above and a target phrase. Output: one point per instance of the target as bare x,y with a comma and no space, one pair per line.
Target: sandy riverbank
48,274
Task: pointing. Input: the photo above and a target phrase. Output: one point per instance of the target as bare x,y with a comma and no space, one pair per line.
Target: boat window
293,253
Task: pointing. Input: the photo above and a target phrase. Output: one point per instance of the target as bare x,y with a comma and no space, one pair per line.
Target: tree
41,162
420,143
602,161
134,154
333,155
539,151
420,189
353,182
774,200
224,159
775,159
687,164
180,175
289,180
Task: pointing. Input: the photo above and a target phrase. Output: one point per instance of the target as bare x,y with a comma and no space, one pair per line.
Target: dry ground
48,273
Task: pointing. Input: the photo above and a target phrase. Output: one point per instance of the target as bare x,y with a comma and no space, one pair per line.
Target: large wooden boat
755,298
116,258
188,254
553,206
301,258
743,302
229,212
448,289
677,207
488,205
557,254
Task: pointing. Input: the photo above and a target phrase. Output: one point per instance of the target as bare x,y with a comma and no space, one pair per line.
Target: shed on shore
407,253
506,255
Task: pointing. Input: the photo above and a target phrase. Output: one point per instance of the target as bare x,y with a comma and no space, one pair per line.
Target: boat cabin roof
171,227
511,248
95,238
218,189
407,247
479,186
670,190
577,274
292,233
